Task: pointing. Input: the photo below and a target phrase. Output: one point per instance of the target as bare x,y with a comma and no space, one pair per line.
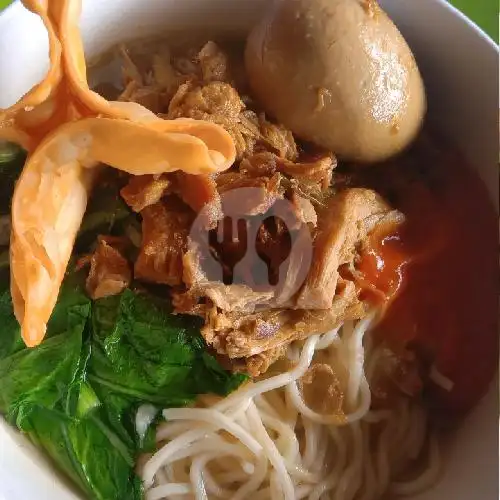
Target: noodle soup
322,315
360,386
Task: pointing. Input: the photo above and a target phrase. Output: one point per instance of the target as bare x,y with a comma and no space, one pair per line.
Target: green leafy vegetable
78,393
8,153
39,386
105,211
10,338
155,356
87,400
12,159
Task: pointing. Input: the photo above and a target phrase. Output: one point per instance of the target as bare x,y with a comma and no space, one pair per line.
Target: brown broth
447,254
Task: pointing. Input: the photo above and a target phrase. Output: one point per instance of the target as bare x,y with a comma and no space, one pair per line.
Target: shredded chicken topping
109,273
253,303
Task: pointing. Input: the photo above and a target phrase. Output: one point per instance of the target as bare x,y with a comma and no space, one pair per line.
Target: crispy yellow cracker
69,130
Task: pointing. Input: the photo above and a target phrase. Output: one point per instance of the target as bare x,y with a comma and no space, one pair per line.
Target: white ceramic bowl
460,68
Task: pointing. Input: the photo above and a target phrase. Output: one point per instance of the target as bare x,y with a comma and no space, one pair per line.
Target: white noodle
428,477
440,380
303,492
167,490
357,359
370,485
264,442
167,431
162,456
217,420
328,339
209,444
287,443
162,476
203,480
251,390
273,455
318,465
311,439
257,478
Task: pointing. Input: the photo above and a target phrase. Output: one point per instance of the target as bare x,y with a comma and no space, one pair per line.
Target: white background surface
460,67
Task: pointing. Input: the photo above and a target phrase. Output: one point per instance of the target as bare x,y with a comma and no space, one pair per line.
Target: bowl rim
11,9
468,21
10,12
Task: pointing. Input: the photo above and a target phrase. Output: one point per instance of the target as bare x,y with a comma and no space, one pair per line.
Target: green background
483,12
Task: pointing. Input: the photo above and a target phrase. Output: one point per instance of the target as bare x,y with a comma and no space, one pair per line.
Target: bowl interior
460,68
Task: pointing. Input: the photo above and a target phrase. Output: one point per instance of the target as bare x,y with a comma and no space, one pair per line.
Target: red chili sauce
439,272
